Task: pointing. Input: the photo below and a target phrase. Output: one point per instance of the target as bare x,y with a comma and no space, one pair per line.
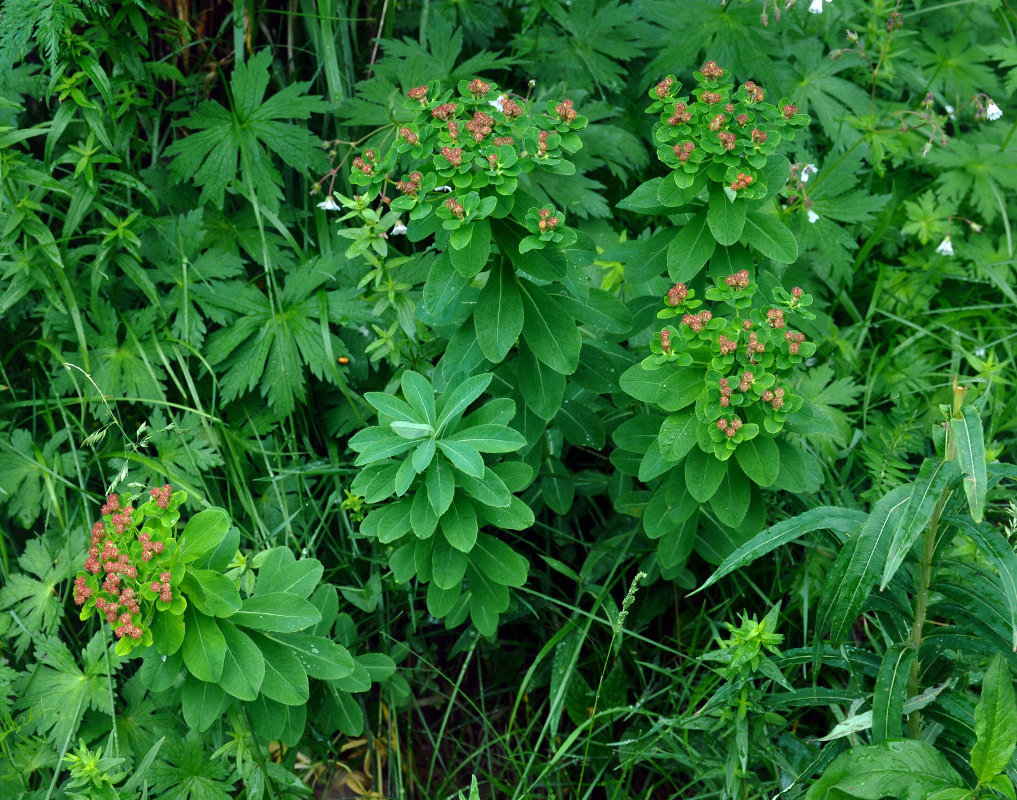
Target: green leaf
759,459
459,524
448,565
995,722
285,678
320,657
441,601
184,770
498,315
690,249
444,286
517,517
489,489
498,561
674,548
219,593
678,435
835,518
201,703
276,611
542,388
204,648
907,769
998,549
933,477
470,257
889,692
725,218
648,259
970,443
464,457
770,236
440,484
703,474
731,501
489,438
203,533
423,520
297,577
244,665
389,522
848,585
549,330
420,395
457,398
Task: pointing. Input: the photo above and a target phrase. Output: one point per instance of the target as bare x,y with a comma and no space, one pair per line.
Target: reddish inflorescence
681,115
677,294
663,89
565,112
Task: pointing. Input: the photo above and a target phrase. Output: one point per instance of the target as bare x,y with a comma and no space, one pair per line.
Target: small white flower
816,6
813,216
945,247
807,170
398,230
992,112
980,352
329,204
498,102
443,188
949,111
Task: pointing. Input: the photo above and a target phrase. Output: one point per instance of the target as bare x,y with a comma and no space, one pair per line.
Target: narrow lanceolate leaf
932,480
455,400
549,330
970,442
888,695
862,565
995,723
835,518
992,543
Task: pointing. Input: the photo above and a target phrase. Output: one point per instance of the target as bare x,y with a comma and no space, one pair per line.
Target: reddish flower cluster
363,166
148,547
412,186
444,111
727,139
510,108
711,71
665,340
794,341
663,89
479,89
542,138
111,506
492,160
729,108
725,393
755,93
409,136
742,181
480,126
742,119
683,151
162,587
681,114
758,136
797,293
774,397
500,140
418,93
454,207
746,382
739,281
547,221
454,155
697,321
727,346
789,111
755,346
677,294
453,129
162,496
717,122
775,318
711,98
81,591
565,112
730,427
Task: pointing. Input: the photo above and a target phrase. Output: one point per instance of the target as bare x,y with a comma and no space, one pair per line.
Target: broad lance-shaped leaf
907,769
995,723
835,518
690,249
888,694
863,564
970,443
992,544
933,478
498,316
770,236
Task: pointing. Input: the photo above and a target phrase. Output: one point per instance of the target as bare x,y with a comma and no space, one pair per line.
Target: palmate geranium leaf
185,772
247,137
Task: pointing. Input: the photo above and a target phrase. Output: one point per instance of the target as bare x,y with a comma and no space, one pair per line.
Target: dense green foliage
556,399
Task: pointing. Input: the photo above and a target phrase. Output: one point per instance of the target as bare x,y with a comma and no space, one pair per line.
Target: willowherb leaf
995,722
970,443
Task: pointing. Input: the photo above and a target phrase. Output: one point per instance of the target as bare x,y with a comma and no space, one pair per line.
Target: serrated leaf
995,722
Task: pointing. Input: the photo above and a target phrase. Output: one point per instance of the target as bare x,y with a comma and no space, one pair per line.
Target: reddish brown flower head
408,136
412,186
500,140
677,294
739,280
683,150
711,71
454,155
711,98
444,111
665,340
742,181
754,92
797,293
565,112
742,119
479,89
454,207
480,126
418,93
111,506
663,89
717,122
363,166
775,318
727,139
726,345
758,136
681,115
789,111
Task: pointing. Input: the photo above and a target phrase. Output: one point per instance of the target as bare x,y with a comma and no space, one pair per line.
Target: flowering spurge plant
431,458
456,164
188,600
723,372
